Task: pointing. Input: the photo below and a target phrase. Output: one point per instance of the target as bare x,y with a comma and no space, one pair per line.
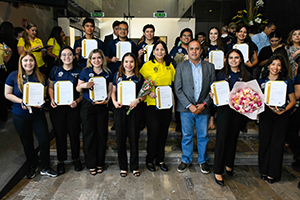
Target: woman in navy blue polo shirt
128,125
273,122
26,122
65,118
94,115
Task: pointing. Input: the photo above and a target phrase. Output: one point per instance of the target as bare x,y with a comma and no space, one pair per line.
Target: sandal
123,174
93,171
99,170
136,173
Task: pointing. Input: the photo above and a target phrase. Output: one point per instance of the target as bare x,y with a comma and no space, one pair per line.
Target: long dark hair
226,69
55,33
60,62
25,35
219,40
247,39
283,72
121,71
7,33
167,57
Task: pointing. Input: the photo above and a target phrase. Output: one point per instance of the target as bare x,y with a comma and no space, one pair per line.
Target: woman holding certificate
228,120
95,82
31,43
64,114
274,120
28,119
160,70
127,124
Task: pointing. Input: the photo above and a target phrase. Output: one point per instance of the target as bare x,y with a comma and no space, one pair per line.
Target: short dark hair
275,34
283,72
270,24
186,30
194,40
148,26
18,30
88,20
116,23
167,57
201,33
123,22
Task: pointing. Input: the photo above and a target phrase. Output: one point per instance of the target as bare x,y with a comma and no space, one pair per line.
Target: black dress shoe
230,173
77,165
150,167
163,167
270,180
219,182
60,167
264,177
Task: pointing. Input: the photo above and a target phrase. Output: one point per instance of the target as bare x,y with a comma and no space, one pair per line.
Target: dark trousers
272,130
228,129
94,120
66,121
158,122
25,126
292,134
3,100
127,126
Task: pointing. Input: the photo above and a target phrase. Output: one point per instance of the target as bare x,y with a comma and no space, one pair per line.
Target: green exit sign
159,14
97,14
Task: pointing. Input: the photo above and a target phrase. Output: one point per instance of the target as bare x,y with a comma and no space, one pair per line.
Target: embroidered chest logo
60,74
179,50
91,75
155,69
75,74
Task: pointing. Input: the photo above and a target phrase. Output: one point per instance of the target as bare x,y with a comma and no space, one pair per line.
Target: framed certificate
33,94
122,48
148,49
63,92
244,48
99,90
216,57
164,97
275,93
220,89
126,92
87,45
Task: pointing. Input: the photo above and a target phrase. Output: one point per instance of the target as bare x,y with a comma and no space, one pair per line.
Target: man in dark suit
112,36
192,85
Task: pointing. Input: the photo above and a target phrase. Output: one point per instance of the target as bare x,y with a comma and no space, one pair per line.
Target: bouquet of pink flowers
247,99
146,89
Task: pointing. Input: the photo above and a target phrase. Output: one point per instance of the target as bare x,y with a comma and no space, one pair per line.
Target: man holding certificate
274,120
118,47
88,42
192,85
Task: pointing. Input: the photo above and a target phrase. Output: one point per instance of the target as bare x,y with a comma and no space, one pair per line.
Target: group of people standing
186,69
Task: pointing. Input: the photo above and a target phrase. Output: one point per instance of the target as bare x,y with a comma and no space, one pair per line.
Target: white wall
169,27
41,16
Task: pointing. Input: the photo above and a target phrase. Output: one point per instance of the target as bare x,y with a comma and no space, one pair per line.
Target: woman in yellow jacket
161,71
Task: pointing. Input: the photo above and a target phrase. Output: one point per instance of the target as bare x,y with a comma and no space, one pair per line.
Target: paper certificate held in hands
275,93
216,57
164,97
99,90
148,49
33,94
244,48
126,92
220,89
122,48
87,45
63,92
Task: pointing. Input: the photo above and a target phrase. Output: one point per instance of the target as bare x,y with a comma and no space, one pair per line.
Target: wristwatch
205,105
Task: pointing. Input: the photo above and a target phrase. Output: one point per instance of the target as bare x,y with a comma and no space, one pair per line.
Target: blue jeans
188,121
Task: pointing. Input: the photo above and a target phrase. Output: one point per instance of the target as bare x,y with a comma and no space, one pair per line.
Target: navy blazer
184,85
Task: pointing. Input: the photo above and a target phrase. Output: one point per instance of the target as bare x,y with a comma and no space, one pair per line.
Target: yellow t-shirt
2,54
38,55
160,74
56,47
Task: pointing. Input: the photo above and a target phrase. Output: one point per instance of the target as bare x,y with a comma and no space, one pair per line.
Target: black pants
292,134
94,120
25,126
158,122
228,129
66,121
272,131
3,100
127,126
